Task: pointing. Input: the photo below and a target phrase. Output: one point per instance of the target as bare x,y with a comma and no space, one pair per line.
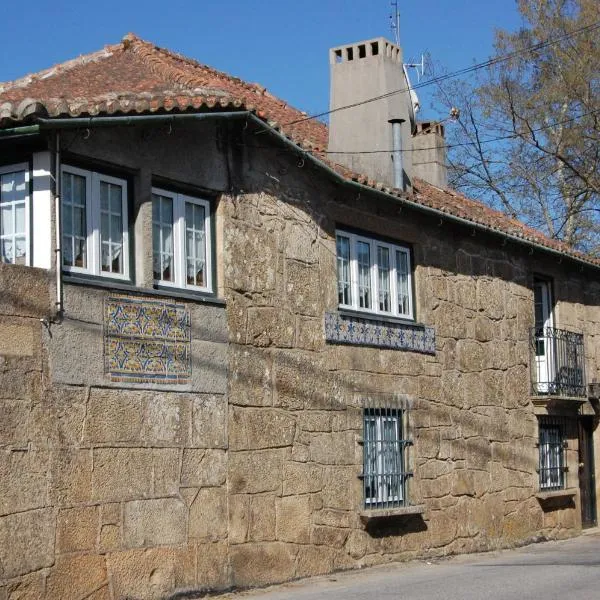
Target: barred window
552,463
385,458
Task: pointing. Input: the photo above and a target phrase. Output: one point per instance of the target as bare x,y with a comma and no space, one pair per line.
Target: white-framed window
374,276
15,204
384,457
95,236
552,460
181,241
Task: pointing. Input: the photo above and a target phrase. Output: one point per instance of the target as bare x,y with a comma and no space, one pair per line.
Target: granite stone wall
244,467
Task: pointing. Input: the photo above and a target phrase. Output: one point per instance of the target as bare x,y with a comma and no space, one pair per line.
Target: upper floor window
374,276
181,241
14,214
95,237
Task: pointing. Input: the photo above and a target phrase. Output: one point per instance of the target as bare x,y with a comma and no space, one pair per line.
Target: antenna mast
395,22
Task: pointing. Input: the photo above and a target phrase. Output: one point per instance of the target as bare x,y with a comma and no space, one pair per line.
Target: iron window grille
385,472
552,457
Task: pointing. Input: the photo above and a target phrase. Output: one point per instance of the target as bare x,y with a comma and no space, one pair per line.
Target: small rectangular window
95,234
385,471
14,214
374,276
552,463
181,241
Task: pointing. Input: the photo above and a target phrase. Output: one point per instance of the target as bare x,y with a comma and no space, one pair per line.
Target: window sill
111,284
398,511
371,316
551,495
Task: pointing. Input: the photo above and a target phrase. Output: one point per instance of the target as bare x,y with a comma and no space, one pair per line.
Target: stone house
228,359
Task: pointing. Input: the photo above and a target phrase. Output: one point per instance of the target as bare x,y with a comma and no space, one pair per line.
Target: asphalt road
565,570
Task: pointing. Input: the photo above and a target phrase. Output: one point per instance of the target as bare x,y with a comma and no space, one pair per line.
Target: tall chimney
361,137
429,153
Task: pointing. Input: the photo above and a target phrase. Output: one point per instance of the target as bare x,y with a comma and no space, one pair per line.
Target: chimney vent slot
362,51
374,48
350,53
338,56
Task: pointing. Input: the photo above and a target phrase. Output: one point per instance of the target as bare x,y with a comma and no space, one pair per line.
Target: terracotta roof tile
137,77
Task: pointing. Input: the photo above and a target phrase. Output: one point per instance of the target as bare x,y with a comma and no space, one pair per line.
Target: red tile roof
137,77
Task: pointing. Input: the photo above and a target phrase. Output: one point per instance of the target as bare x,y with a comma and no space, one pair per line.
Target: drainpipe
58,229
397,152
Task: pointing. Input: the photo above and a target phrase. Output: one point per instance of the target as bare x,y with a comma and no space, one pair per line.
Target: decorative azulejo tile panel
349,329
147,341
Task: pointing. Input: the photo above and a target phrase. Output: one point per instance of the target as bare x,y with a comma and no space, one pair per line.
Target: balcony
557,363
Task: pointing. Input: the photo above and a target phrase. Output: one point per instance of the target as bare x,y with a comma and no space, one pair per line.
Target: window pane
383,270
111,231
195,245
343,266
402,283
162,240
74,220
6,217
363,251
7,251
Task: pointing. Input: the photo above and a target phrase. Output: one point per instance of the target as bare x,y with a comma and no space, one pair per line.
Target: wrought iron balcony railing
558,363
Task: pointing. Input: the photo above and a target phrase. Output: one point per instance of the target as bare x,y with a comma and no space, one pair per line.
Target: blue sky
281,44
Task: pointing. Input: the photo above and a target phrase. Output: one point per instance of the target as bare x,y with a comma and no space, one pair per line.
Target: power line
510,136
464,71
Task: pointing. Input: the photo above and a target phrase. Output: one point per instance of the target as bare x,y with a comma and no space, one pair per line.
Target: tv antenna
395,22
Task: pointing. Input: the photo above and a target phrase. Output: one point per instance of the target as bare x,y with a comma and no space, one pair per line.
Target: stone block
208,515
301,478
24,482
262,563
30,587
121,474
209,422
19,339
255,269
301,242
76,577
314,560
209,323
166,471
252,429
70,476
160,522
271,327
57,416
251,373
333,448
111,538
152,573
334,537
471,355
209,367
342,489
25,291
168,419
303,288
114,416
335,518
77,529
256,471
203,468
26,542
16,383
239,518
293,519
213,567
310,333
